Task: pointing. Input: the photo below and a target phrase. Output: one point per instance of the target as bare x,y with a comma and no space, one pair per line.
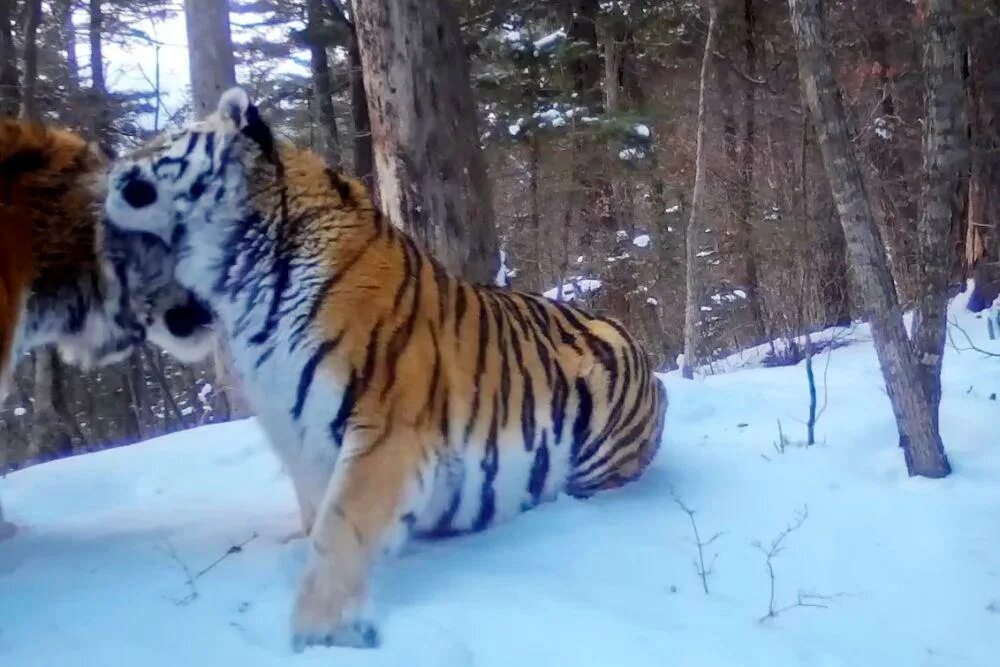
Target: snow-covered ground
114,564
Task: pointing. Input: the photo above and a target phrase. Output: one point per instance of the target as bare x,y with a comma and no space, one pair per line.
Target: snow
20,411
549,42
504,273
909,567
631,153
728,297
641,130
641,241
653,302
576,286
883,128
673,209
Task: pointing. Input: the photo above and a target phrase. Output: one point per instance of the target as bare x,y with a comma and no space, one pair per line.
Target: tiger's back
517,397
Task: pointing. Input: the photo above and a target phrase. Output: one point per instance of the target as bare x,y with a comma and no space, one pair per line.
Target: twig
191,579
772,552
699,563
972,346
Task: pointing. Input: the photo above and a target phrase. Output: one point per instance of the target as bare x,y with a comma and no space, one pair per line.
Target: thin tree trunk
919,436
319,64
692,313
744,220
364,159
100,121
210,56
67,37
29,88
431,172
10,93
946,163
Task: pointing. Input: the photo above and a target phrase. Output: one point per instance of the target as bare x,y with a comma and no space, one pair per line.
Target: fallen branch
191,579
972,346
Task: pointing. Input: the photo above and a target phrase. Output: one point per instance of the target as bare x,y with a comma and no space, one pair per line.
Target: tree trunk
319,64
54,427
946,163
210,52
364,159
10,93
982,241
67,39
692,314
431,171
364,153
919,436
29,96
100,120
744,218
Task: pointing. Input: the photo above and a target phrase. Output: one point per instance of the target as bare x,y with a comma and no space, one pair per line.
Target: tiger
404,401
54,289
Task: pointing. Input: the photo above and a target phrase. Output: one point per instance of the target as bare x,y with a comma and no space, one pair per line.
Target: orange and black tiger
53,289
402,400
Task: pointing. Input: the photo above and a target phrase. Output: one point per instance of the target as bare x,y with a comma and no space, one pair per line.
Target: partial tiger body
401,399
53,287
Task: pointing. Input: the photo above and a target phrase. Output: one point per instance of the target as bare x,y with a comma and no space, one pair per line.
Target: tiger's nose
137,191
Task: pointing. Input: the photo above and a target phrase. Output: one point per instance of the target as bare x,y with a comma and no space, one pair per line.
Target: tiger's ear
234,106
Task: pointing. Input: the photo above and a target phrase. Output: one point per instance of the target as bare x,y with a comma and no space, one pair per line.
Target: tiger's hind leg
377,491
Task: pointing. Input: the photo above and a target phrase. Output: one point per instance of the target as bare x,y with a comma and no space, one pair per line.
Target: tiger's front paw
327,613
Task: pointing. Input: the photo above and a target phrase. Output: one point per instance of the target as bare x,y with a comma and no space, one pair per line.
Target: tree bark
29,87
319,64
10,93
364,159
431,172
946,165
919,437
67,39
692,313
744,219
100,120
210,52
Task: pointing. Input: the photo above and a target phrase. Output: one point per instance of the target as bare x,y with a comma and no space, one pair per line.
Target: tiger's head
184,177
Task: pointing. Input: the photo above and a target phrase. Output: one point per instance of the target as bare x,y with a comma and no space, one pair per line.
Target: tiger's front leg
374,495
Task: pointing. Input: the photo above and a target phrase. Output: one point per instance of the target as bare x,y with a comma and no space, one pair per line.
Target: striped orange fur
403,400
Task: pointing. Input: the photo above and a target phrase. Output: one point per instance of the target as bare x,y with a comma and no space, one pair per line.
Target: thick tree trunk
982,242
210,52
319,64
919,436
10,93
946,165
431,171
692,312
29,87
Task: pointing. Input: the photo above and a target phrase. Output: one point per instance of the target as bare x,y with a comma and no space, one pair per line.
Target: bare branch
699,562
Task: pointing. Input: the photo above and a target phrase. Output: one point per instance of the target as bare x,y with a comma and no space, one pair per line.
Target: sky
132,66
